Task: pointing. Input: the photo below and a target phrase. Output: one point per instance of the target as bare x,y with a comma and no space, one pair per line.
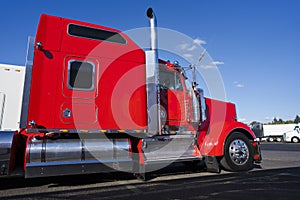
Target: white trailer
11,92
272,132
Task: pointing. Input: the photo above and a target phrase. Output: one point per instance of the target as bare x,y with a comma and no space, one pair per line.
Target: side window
81,75
96,34
178,83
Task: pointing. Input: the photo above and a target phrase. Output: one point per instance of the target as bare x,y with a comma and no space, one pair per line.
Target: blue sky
256,42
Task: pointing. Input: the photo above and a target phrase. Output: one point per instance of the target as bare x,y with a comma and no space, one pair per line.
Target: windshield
170,80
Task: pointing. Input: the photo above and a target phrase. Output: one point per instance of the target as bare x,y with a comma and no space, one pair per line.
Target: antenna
193,67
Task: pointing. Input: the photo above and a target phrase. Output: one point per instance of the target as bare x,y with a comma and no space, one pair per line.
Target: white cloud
187,47
238,85
183,46
212,65
192,48
187,55
218,63
242,120
199,41
208,66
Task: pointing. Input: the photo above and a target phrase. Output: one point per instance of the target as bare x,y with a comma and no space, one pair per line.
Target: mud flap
212,164
141,175
257,152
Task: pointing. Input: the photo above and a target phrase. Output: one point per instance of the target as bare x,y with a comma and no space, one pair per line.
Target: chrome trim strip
27,82
45,164
91,131
3,108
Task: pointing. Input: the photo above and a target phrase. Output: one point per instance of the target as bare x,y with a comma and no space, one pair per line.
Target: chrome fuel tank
51,157
54,150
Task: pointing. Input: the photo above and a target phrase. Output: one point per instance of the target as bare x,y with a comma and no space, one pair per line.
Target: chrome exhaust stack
153,31
152,79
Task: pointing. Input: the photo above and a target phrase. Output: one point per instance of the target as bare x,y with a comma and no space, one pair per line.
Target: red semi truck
94,101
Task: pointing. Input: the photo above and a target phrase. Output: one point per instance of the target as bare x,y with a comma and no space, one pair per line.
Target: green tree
275,121
297,119
254,122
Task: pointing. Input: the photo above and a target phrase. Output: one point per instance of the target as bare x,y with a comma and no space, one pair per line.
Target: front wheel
238,153
295,140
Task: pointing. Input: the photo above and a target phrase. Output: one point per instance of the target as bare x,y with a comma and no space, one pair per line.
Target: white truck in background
11,92
292,136
273,132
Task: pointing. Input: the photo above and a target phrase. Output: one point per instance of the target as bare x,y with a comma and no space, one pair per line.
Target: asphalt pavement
277,177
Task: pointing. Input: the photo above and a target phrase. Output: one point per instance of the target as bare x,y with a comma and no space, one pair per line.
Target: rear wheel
238,153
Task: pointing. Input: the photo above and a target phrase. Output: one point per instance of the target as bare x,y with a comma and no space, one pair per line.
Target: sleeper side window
96,34
81,75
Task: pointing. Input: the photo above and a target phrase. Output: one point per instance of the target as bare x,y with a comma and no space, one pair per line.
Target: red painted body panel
117,101
221,121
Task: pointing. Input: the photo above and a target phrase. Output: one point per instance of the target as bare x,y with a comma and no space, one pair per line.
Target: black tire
242,159
295,140
270,139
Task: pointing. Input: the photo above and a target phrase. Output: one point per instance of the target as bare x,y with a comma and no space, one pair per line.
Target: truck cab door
172,98
79,91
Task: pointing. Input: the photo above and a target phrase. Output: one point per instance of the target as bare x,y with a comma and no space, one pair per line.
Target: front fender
214,141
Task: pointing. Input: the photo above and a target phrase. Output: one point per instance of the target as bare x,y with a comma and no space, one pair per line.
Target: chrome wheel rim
238,152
